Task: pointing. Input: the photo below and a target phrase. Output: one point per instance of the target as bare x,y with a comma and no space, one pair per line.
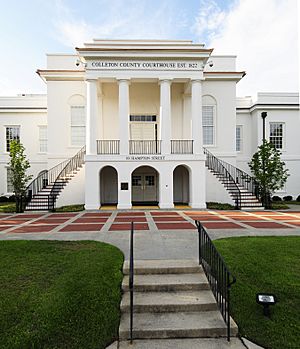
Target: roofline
88,49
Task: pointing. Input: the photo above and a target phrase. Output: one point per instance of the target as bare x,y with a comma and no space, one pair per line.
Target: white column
198,184
124,196
124,116
91,116
92,189
196,111
166,185
165,116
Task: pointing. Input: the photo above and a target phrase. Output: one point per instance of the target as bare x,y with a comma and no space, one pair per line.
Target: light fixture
266,299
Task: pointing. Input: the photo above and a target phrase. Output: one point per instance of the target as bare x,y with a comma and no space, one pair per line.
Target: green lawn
265,264
7,207
56,294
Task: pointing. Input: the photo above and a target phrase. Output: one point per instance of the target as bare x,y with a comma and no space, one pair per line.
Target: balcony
108,147
145,147
181,146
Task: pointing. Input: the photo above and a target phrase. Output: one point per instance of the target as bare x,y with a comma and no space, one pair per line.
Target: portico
144,113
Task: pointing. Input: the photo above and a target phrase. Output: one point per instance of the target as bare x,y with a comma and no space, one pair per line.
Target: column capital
91,80
165,80
123,80
198,80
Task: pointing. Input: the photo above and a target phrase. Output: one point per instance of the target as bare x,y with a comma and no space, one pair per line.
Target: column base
124,206
91,207
198,205
165,205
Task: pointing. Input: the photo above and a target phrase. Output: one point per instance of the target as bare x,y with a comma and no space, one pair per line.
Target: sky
262,33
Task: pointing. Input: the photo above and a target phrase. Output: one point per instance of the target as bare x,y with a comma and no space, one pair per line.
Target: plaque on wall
124,186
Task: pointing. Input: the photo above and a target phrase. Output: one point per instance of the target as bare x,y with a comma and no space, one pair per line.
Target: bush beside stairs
172,301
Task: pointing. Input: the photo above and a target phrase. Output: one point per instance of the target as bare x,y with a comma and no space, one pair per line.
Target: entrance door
140,131
144,188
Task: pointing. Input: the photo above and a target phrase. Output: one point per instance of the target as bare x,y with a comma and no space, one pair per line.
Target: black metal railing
43,190
111,146
217,165
181,146
145,147
217,273
131,280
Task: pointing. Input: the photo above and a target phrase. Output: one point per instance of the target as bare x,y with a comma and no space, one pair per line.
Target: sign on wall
143,65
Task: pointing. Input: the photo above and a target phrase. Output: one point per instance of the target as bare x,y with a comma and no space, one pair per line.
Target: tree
19,165
268,170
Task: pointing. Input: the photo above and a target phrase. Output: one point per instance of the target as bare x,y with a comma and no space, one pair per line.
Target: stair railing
217,273
217,165
72,165
49,177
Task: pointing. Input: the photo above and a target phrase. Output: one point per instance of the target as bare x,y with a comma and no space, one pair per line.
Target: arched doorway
144,186
181,185
108,186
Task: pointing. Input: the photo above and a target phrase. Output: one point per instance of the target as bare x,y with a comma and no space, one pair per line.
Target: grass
279,205
219,206
265,264
70,208
59,294
7,207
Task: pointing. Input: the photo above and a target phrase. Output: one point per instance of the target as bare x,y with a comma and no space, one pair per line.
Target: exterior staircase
43,191
241,187
172,300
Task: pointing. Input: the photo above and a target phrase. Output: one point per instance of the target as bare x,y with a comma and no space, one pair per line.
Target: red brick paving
127,226
50,221
162,213
295,223
208,218
178,225
130,219
6,227
248,218
34,229
13,221
97,214
284,218
129,214
196,213
168,219
82,227
222,225
91,220
57,215
266,225
28,216
4,216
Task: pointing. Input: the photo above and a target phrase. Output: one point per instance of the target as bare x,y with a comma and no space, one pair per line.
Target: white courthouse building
150,114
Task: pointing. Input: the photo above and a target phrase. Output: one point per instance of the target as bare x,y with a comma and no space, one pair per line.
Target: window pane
77,116
238,138
276,134
208,135
78,136
208,115
12,133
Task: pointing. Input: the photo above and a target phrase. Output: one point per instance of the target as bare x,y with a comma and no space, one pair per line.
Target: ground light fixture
266,299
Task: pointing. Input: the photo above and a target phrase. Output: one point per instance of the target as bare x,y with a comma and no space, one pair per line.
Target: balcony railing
145,147
108,147
181,146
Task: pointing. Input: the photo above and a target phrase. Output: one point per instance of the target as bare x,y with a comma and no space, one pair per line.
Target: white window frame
43,139
283,133
241,138
214,126
10,126
72,145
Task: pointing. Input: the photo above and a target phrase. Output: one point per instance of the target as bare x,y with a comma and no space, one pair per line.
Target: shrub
276,198
298,198
288,198
3,198
12,198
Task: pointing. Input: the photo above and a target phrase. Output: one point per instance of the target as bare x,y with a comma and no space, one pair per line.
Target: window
78,125
208,124
276,134
43,139
144,118
12,132
238,137
10,187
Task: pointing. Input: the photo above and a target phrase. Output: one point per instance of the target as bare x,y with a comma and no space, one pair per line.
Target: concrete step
186,343
167,282
163,267
158,302
175,325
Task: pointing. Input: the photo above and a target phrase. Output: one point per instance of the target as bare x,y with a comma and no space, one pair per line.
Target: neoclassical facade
145,111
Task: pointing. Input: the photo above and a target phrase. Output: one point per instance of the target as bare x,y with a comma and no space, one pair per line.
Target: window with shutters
208,124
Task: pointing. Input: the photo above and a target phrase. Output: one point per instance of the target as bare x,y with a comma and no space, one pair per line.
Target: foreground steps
172,299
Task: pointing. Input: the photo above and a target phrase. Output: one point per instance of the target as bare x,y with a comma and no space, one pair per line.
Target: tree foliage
268,170
19,165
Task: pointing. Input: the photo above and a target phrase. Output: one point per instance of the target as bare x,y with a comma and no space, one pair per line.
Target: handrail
215,164
241,177
131,280
71,166
217,273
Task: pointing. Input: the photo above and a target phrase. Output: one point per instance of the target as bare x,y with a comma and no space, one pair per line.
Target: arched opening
144,186
108,186
181,185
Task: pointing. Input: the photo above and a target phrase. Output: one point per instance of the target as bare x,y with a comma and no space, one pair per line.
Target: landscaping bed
59,294
271,265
